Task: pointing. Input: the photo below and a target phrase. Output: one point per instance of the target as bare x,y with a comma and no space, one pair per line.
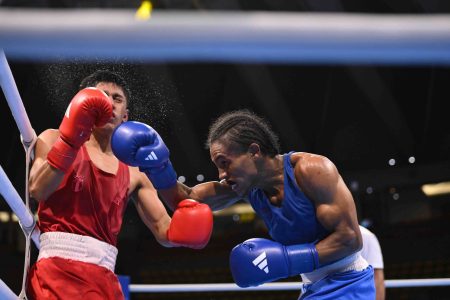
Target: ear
254,149
125,116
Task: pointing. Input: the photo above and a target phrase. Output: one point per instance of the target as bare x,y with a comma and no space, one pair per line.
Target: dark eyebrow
118,95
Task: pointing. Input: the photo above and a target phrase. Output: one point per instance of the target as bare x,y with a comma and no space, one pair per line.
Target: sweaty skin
316,176
44,179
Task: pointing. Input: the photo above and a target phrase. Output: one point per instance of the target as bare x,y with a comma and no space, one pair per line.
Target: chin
107,127
243,193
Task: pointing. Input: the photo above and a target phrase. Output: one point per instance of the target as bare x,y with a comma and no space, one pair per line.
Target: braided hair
242,128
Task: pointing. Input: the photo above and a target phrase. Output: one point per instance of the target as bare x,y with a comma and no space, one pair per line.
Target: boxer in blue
304,202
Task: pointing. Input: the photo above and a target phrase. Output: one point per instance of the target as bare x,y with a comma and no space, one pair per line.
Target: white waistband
78,247
354,262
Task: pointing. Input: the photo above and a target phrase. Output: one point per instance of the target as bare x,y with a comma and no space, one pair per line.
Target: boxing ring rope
13,199
246,37
7,190
275,286
6,293
28,138
250,37
15,103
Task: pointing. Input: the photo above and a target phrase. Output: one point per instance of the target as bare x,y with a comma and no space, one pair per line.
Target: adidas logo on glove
151,156
261,262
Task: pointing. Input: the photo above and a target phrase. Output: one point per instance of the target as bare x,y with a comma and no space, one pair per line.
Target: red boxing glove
192,224
90,107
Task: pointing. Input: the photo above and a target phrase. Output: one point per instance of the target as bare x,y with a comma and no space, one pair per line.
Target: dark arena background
385,126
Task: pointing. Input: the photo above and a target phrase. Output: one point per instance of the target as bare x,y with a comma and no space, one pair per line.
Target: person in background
371,252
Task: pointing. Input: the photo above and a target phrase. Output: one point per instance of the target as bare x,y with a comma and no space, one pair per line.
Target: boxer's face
119,101
236,167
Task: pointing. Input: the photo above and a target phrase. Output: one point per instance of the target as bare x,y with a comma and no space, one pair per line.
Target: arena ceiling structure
363,83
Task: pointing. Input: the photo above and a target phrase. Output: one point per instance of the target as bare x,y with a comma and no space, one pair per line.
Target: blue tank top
294,222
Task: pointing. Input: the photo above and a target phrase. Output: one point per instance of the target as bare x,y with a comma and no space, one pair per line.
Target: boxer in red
83,189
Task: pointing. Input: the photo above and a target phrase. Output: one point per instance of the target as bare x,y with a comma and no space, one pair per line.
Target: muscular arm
379,284
335,208
372,253
44,179
217,195
132,142
190,226
150,208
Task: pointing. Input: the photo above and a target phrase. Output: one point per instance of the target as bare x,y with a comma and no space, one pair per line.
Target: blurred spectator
371,251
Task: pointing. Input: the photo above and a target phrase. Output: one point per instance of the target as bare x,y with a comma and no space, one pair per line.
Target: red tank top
88,201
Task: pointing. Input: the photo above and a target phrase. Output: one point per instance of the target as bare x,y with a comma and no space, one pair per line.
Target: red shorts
60,278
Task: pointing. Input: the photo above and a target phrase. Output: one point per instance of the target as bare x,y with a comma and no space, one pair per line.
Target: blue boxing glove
257,261
139,145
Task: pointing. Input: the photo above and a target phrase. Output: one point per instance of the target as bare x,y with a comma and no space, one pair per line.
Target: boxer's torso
294,221
89,201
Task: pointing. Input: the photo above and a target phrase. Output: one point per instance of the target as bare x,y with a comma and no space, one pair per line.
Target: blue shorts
351,285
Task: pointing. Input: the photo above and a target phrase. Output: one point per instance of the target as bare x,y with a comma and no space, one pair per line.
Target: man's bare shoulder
137,179
49,135
46,140
305,160
310,166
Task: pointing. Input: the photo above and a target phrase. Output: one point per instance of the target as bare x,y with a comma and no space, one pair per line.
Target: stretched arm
335,209
190,226
150,209
217,195
138,144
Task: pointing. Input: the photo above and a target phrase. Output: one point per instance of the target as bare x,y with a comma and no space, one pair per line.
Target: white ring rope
399,283
28,137
274,286
6,293
15,103
14,201
266,37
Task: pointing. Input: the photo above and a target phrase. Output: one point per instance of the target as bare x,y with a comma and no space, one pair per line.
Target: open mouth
232,184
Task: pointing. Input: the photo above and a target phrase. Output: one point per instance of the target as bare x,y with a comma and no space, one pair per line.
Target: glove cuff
303,258
62,155
191,225
163,177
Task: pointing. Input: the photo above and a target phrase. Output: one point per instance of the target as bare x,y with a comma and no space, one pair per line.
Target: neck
100,140
272,175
